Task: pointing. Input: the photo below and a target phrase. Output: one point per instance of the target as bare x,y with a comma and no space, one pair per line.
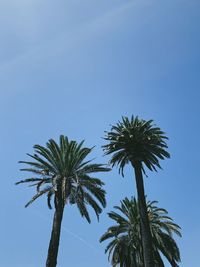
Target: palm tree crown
136,141
125,249
64,166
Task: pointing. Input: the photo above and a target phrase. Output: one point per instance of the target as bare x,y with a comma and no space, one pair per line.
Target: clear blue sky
74,68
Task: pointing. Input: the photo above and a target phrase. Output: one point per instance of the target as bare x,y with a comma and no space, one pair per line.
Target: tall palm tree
126,245
62,173
141,144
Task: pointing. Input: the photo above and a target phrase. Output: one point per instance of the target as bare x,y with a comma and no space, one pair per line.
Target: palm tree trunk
55,235
144,221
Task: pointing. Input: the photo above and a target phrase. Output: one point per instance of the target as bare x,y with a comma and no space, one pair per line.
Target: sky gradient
74,68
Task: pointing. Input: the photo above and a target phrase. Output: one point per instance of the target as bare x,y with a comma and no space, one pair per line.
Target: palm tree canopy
64,165
125,249
136,141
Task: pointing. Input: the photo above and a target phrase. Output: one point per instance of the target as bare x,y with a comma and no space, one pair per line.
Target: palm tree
62,173
126,245
142,144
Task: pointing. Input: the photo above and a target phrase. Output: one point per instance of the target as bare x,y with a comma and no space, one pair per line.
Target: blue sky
74,68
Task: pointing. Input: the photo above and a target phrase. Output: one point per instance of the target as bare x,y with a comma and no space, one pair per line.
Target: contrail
73,36
86,243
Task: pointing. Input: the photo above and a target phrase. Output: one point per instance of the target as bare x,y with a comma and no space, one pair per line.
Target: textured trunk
55,234
145,228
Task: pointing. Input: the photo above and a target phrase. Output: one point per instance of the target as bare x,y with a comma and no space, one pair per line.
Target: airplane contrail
86,243
72,37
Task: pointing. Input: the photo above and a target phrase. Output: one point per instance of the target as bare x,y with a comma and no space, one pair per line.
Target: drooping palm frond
136,141
64,166
125,247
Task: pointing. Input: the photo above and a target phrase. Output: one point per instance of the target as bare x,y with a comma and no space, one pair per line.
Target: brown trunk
55,234
144,221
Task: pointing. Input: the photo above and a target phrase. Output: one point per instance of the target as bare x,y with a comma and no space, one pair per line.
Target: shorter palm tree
125,249
61,171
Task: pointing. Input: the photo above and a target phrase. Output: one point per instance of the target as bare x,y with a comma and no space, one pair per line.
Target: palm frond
64,168
135,140
125,247
29,180
40,193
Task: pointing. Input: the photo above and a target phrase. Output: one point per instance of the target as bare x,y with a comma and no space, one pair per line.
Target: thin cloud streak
66,230
73,37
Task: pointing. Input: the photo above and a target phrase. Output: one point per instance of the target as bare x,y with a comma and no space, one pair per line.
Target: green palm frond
125,247
29,180
62,167
40,193
136,141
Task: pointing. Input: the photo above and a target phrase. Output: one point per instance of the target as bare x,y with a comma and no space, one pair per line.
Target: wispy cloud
67,39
